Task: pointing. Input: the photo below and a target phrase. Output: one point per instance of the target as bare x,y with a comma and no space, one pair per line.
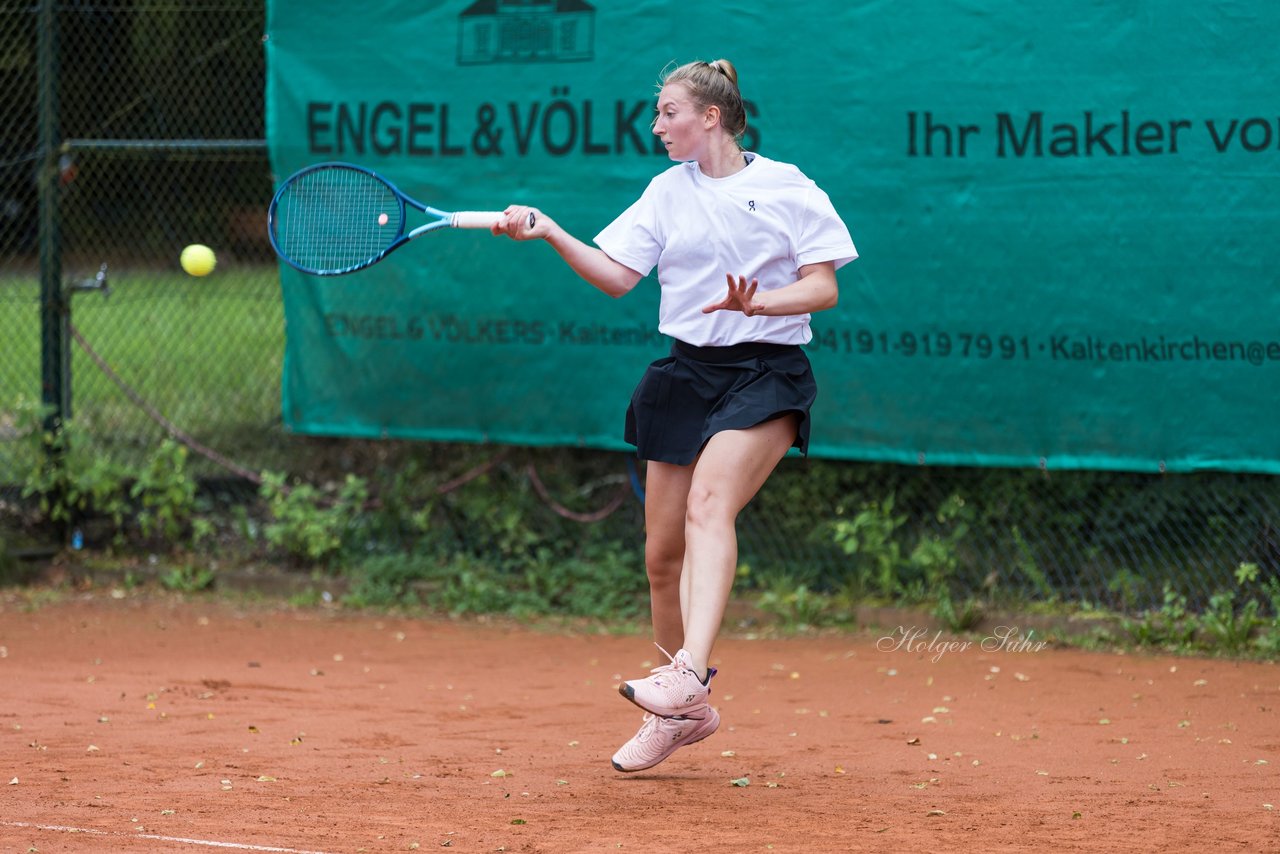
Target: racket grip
481,219
475,219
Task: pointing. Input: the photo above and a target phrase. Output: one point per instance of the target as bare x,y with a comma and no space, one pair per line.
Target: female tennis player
746,249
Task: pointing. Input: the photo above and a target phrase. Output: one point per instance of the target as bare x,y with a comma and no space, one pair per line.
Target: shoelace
671,665
671,659
661,669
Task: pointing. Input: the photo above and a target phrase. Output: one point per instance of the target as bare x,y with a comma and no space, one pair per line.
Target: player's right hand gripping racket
335,218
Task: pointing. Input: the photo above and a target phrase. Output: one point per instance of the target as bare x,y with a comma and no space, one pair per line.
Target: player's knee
706,508
663,562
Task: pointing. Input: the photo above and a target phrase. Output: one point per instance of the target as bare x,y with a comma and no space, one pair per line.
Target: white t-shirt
765,222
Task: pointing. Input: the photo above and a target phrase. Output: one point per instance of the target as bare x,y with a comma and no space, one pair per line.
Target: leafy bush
68,481
73,484
384,581
187,579
893,560
165,494
1171,625
312,524
793,604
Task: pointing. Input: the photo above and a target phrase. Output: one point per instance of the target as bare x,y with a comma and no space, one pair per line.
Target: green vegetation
411,533
493,547
311,524
188,579
1237,621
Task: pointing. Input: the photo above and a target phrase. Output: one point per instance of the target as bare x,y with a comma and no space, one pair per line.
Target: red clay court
156,724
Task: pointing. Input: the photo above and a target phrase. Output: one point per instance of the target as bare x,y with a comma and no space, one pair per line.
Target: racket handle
475,219
481,219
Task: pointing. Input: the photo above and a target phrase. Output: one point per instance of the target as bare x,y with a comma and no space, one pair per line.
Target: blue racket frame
443,219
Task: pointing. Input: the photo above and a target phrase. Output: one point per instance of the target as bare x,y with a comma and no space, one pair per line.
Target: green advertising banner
1067,215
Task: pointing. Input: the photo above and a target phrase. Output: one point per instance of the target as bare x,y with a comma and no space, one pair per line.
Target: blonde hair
714,84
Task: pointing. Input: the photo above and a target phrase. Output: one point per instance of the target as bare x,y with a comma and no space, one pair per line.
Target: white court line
238,846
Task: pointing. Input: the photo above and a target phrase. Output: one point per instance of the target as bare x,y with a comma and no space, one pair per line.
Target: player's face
680,123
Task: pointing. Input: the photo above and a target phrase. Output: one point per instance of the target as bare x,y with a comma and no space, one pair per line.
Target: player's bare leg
666,488
729,472
732,467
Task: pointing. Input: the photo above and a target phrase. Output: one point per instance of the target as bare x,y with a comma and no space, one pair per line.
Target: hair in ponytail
714,84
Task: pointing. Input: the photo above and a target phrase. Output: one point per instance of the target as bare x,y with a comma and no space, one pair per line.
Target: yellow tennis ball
198,260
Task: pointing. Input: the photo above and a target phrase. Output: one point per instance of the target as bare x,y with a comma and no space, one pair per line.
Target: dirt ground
150,723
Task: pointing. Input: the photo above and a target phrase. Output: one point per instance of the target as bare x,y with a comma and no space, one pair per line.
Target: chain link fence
148,137
142,125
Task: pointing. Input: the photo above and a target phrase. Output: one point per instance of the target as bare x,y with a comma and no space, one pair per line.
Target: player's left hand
741,297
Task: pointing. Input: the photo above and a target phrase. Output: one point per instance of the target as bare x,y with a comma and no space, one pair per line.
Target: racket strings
334,219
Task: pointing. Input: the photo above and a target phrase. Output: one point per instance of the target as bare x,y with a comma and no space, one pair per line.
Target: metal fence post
54,353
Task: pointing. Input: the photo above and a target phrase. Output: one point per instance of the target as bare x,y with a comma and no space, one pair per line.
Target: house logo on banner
523,31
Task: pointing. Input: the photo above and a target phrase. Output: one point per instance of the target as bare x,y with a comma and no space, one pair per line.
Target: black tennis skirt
686,398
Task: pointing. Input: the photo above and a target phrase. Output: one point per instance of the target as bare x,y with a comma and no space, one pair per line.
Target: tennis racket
331,219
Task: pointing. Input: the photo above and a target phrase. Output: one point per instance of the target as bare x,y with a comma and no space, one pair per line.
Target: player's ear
711,117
